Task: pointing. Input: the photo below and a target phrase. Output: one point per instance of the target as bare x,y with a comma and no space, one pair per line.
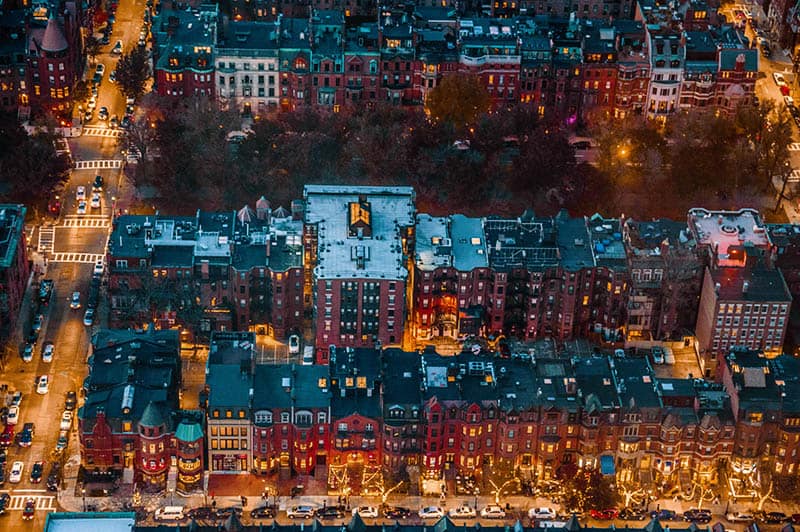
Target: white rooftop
433,243
212,245
376,256
469,243
722,230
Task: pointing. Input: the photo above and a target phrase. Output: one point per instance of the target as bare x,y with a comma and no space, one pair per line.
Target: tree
91,48
30,168
81,91
132,72
141,135
458,99
585,488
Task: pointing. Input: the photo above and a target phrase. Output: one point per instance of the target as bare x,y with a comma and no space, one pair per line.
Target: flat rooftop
723,230
359,230
434,246
82,521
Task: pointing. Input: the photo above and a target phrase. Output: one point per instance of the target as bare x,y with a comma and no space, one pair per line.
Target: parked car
224,513
262,512
48,351
100,69
632,514
27,352
697,515
739,517
657,354
669,356
94,203
463,512
5,499
203,512
302,511
103,113
54,477
97,186
66,420
98,268
775,517
493,511
431,512
26,436
396,512
17,468
604,515
169,513
88,317
368,512
780,81
542,513
63,441
70,401
294,344
117,49
38,321
330,512
13,415
7,437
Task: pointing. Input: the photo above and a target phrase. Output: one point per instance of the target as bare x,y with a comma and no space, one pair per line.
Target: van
169,513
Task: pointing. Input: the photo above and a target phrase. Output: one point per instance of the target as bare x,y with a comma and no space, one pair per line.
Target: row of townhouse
657,63
359,267
41,57
427,417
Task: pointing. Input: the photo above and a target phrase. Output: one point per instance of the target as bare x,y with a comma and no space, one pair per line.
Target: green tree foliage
132,72
29,167
459,99
91,47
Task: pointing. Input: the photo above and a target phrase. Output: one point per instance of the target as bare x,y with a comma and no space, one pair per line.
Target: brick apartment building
424,418
14,267
744,299
131,424
357,243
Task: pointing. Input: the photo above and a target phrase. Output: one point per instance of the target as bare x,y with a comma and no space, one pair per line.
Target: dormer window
202,62
300,64
174,61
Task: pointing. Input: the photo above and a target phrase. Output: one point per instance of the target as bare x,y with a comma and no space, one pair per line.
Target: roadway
70,245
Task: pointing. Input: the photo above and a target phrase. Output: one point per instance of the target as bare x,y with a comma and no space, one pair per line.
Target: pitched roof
151,417
54,40
188,431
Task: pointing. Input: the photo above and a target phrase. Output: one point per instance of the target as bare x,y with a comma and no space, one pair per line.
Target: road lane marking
90,131
98,164
794,146
46,238
76,258
43,502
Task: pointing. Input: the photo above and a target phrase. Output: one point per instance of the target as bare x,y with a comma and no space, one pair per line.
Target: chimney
745,287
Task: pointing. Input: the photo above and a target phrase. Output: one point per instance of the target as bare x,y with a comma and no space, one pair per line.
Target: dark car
54,477
224,513
263,512
36,472
396,512
775,517
2,474
330,512
3,456
29,510
7,437
33,336
37,323
26,436
97,186
5,499
632,514
203,512
664,515
697,516
71,401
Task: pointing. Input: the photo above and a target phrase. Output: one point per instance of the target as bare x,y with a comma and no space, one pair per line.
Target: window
284,417
263,417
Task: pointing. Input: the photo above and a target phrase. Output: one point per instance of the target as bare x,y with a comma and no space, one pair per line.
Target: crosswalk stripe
89,222
90,131
794,146
79,258
98,164
794,177
43,502
46,238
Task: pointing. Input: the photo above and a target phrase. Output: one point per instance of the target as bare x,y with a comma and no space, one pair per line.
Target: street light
83,493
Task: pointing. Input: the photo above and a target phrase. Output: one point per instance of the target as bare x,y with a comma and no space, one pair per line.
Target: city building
14,267
358,242
744,299
131,426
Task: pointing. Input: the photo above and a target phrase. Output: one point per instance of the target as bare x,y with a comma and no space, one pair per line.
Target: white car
42,384
462,512
80,193
16,472
780,81
369,512
88,317
95,203
300,512
91,104
100,68
117,50
542,513
739,517
98,268
66,420
13,415
75,302
493,511
294,344
431,512
48,351
81,207
669,356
